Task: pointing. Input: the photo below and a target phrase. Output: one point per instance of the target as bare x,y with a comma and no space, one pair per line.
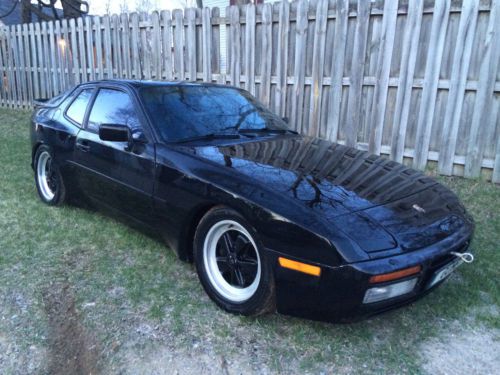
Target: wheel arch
185,245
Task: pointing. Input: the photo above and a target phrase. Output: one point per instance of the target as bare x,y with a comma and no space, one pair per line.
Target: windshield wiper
208,137
267,130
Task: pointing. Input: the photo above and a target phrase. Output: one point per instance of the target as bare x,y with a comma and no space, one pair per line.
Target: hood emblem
418,208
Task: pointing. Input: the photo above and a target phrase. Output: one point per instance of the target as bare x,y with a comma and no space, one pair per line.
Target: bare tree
45,10
124,8
146,5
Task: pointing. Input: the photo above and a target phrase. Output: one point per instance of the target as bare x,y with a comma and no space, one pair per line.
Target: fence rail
416,80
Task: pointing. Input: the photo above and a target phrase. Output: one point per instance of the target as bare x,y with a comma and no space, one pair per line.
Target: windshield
184,112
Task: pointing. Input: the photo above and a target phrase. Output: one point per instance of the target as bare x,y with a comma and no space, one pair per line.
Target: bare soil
72,350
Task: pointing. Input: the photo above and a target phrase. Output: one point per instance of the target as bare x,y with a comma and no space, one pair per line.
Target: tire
240,280
49,182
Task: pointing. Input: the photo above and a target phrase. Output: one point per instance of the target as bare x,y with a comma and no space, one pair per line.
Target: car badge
418,208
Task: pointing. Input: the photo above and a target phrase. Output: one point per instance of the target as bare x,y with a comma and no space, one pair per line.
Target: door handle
82,145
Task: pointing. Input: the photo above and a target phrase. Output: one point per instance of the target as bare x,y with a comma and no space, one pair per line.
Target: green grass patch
121,278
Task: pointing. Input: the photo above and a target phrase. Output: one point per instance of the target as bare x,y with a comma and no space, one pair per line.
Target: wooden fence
416,80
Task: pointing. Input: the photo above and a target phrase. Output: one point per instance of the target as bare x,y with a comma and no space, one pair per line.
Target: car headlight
381,293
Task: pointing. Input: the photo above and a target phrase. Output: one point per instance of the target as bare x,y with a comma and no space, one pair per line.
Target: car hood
329,178
379,203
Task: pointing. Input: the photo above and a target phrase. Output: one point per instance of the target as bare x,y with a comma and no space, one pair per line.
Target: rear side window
113,107
76,110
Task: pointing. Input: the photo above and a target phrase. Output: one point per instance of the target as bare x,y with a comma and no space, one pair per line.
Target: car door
119,175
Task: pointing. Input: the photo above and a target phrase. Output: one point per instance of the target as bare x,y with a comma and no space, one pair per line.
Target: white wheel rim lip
41,173
226,290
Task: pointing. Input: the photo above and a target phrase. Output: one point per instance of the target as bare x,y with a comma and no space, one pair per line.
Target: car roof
135,83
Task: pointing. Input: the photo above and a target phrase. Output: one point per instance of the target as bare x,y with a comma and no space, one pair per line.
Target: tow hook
466,257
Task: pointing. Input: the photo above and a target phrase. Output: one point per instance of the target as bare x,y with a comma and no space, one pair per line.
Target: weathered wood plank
156,45
207,45
75,64
27,62
136,58
40,62
317,67
250,49
116,46
47,58
235,50
282,59
126,51
267,45
91,48
496,166
21,67
431,80
483,124
178,45
407,70
337,70
98,48
166,23
3,69
11,72
357,67
215,52
190,15
382,76
145,48
108,53
461,59
53,66
34,61
299,69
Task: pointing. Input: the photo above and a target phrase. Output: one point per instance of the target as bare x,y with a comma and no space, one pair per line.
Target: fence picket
317,67
299,69
431,80
407,69
266,55
206,45
250,49
383,76
282,59
178,45
353,118
461,59
337,70
483,124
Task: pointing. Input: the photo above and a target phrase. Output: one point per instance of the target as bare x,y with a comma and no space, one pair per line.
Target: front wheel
231,265
48,179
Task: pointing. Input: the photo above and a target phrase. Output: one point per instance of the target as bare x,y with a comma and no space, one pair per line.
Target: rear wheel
231,265
48,179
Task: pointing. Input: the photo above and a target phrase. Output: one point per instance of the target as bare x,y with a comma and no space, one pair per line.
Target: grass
132,294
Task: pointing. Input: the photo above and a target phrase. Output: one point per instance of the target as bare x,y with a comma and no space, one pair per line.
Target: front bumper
337,295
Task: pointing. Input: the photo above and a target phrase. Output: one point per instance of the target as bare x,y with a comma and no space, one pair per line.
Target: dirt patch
71,349
467,352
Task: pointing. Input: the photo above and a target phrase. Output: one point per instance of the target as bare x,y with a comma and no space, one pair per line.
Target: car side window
77,108
113,107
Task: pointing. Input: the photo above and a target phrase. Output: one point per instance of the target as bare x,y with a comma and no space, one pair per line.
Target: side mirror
114,133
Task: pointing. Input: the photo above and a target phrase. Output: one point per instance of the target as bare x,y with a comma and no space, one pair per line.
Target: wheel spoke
228,243
222,264
240,244
252,263
239,277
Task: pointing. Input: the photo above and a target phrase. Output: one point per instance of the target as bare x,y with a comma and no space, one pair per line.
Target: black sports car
272,220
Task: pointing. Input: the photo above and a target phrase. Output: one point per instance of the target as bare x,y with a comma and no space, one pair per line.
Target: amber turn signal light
395,275
299,266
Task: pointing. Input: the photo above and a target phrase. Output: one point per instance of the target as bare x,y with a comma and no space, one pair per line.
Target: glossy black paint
345,210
